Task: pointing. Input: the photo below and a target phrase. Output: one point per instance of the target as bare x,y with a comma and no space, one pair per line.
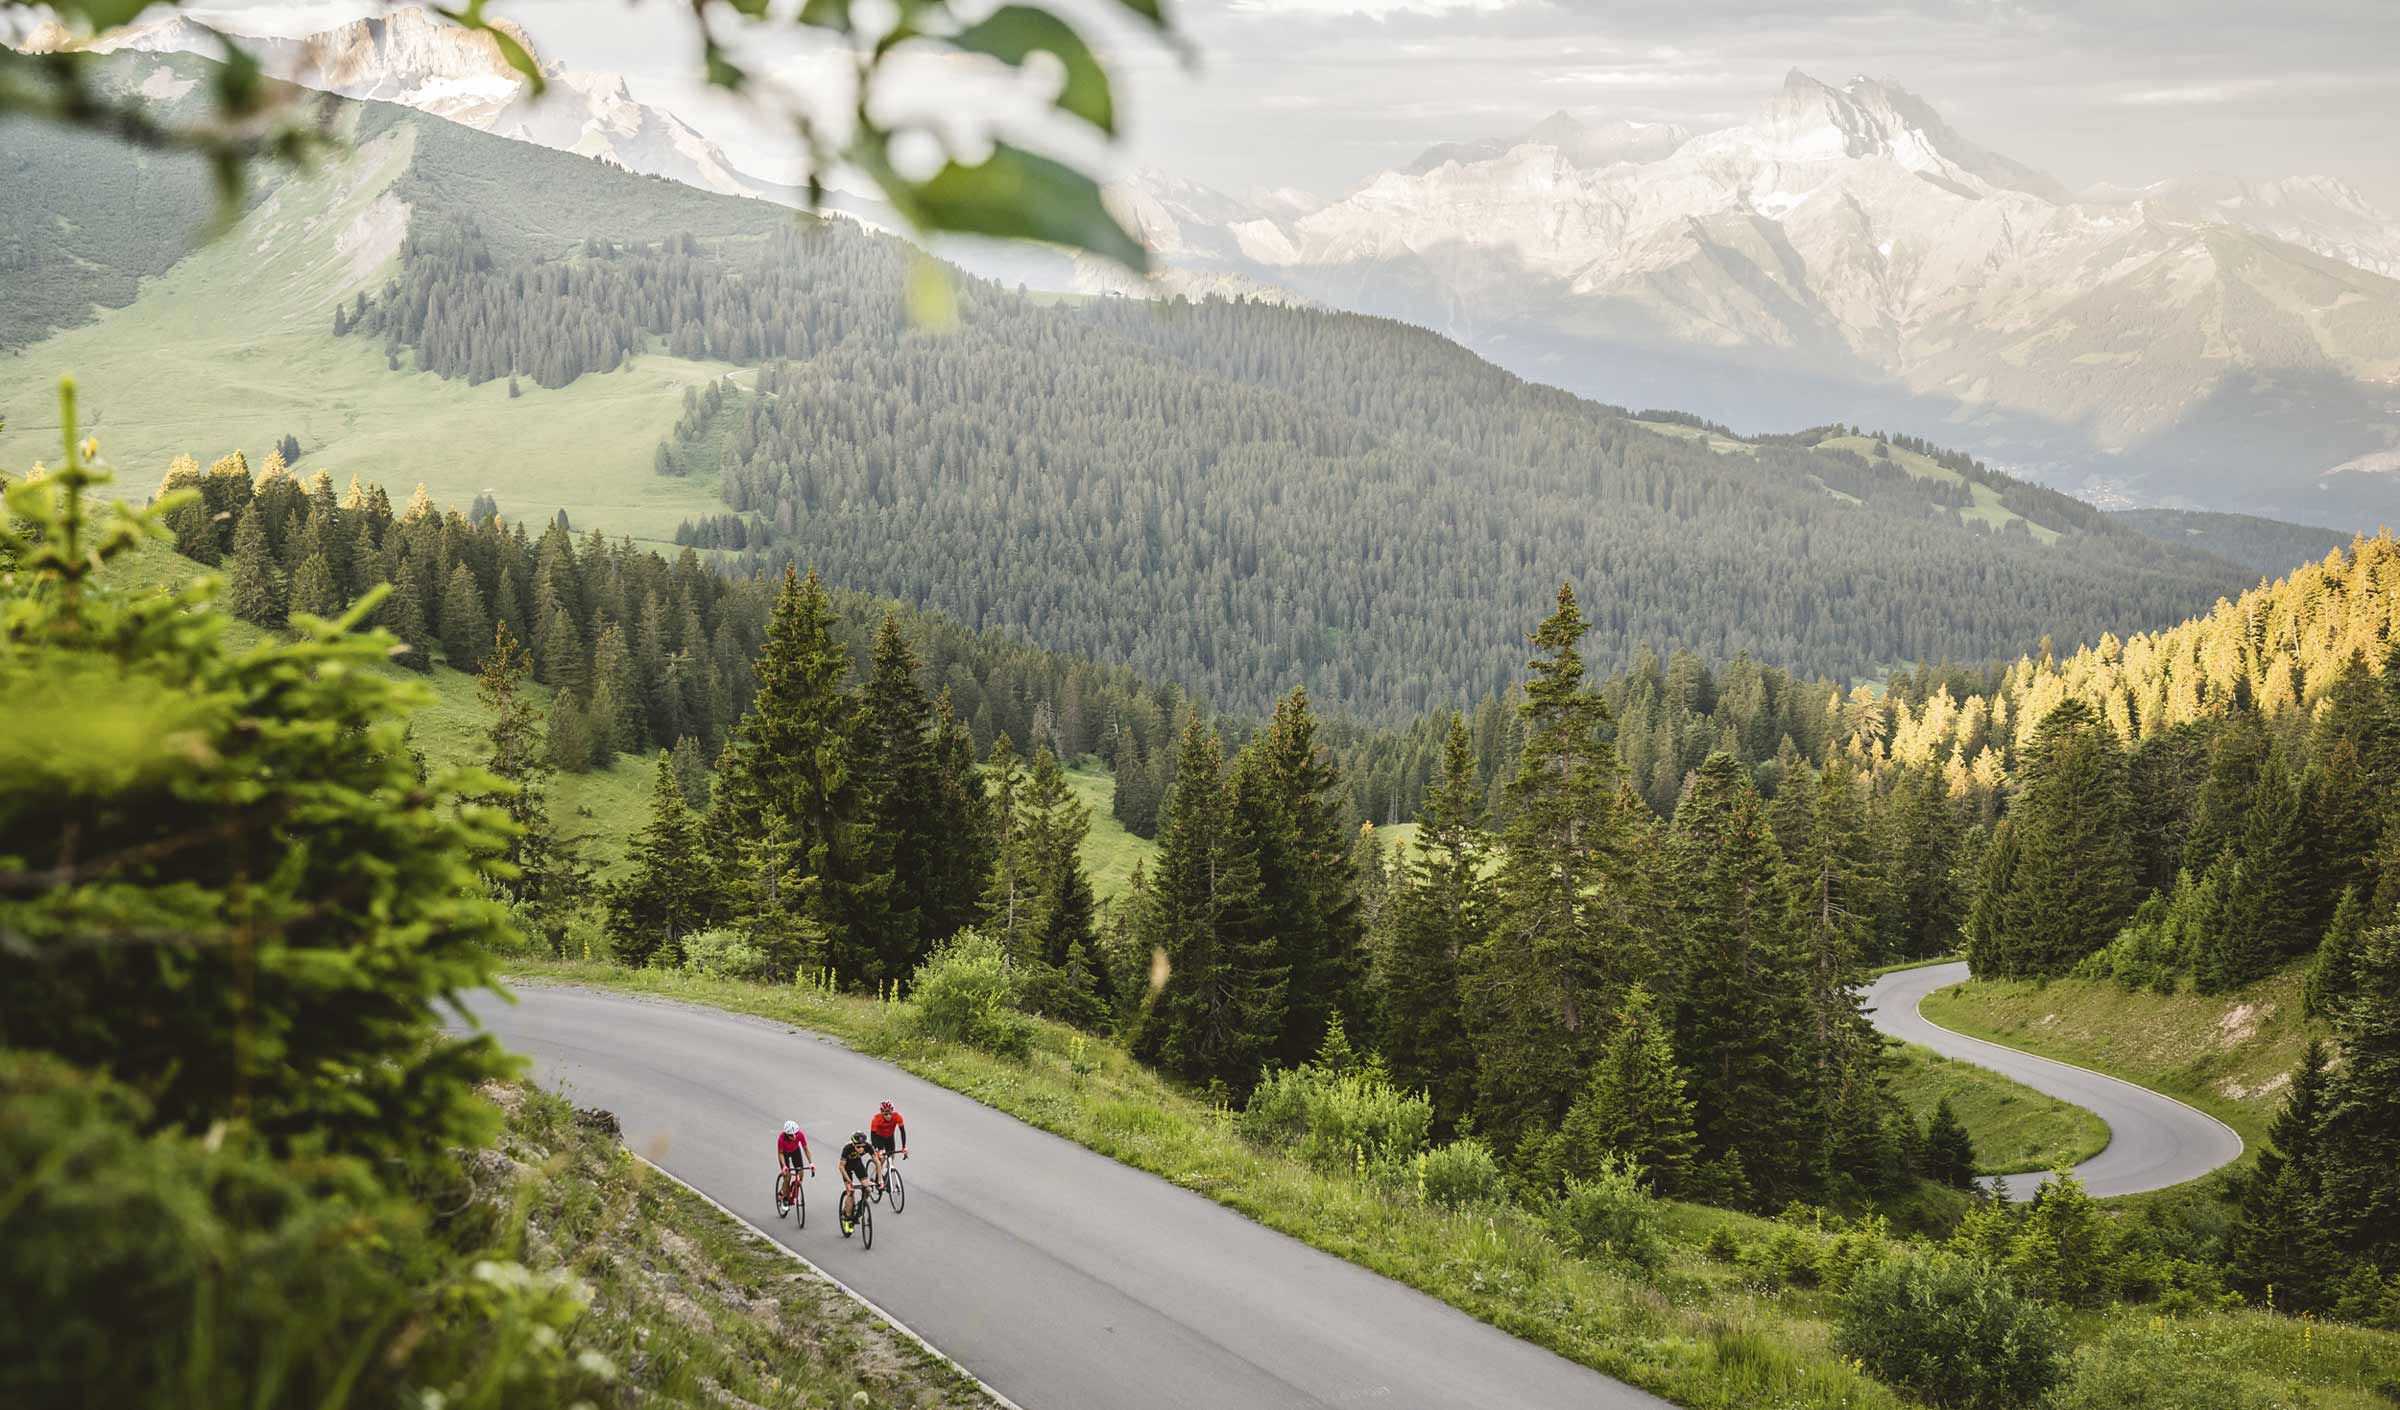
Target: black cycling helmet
860,1136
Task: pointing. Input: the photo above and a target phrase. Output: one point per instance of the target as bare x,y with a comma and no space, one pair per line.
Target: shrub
1611,1216
1722,1246
1460,1175
967,994
725,954
1954,1330
179,1270
2145,1368
1338,1120
1787,1257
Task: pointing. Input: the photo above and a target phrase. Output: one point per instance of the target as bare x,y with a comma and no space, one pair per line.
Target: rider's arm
901,1129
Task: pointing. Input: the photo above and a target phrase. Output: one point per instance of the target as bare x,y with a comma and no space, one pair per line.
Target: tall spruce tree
1012,895
961,866
466,631
1321,944
2071,887
1921,915
256,591
2276,1241
314,590
1540,985
1218,1005
1744,1026
1440,906
2357,1139
790,758
547,881
893,756
668,892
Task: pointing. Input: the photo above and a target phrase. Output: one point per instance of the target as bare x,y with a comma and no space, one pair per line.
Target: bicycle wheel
899,1190
849,1210
781,1207
866,1223
800,1199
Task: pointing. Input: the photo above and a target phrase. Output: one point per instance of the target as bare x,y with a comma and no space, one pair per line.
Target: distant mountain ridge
415,58
1846,252
1232,497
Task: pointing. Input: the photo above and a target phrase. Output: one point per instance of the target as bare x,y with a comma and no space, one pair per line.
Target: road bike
891,1184
791,1194
858,1213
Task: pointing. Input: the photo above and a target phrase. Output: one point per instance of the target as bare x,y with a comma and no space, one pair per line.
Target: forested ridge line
1238,496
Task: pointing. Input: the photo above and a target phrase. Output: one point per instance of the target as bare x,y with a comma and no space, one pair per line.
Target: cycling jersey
854,1159
884,1123
792,1149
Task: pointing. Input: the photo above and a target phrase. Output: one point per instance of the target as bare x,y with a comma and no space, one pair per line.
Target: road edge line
2240,1146
844,1288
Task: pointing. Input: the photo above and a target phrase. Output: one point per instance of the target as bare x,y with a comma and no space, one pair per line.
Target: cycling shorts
882,1143
857,1166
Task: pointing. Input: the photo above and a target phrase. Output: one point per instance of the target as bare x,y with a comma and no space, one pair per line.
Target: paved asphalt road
1061,1278
2154,1141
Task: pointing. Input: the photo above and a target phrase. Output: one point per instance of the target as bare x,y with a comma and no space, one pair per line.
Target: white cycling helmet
791,1128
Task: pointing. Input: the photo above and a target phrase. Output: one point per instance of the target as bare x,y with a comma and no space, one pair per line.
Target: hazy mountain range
1844,254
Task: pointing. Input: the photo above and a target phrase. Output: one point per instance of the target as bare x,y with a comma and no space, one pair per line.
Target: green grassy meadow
234,347
2016,1129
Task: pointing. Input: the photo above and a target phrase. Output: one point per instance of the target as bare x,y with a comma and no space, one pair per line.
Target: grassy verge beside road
691,1307
2016,1129
2230,1055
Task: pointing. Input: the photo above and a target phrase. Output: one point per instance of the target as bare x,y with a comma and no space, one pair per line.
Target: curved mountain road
1064,1280
2154,1141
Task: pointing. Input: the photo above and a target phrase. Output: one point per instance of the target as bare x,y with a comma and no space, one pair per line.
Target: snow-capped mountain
1846,254
2314,212
413,57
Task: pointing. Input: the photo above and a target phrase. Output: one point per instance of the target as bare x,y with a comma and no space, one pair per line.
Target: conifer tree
1316,923
894,760
1220,1004
1949,1157
256,591
2357,1140
313,589
403,615
790,757
2276,1240
691,773
668,893
547,879
1437,915
1921,916
961,865
615,698
1744,1026
2333,974
1012,897
466,632
2071,886
1634,1103
2236,756
1539,987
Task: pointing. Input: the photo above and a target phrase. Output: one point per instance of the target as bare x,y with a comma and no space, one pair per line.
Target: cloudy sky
1322,93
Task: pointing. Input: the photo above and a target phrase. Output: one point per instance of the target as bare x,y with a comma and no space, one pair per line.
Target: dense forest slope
1232,497
2268,547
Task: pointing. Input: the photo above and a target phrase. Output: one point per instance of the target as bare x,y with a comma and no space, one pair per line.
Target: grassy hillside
232,347
692,1307
2015,1128
2231,1055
